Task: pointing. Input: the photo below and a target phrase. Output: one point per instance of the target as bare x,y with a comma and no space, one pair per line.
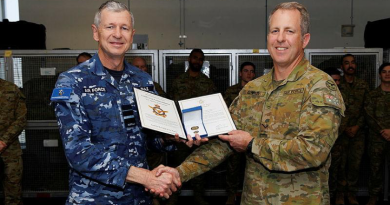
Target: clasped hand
163,181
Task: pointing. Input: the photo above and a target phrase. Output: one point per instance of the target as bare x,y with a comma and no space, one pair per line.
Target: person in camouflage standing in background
192,83
154,158
377,109
287,122
12,122
236,162
351,137
140,63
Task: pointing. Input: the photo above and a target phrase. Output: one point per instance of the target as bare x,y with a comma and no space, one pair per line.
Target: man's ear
95,32
306,39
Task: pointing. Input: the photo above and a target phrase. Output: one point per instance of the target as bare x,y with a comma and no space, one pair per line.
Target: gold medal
194,127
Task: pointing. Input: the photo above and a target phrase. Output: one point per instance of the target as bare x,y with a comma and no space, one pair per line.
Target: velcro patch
331,85
331,100
147,88
251,92
61,94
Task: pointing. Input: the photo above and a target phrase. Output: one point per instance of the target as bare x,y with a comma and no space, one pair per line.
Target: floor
185,200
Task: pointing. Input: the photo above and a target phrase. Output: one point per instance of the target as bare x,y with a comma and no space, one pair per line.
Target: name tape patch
291,92
95,90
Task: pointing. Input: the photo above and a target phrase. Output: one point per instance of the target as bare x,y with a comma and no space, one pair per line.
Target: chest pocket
252,110
382,108
102,108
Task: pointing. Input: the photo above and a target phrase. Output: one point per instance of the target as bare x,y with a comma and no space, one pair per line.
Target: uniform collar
97,67
296,74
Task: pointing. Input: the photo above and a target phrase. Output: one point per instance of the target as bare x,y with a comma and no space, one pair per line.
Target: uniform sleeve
369,108
93,160
318,130
204,159
228,97
361,120
16,127
159,90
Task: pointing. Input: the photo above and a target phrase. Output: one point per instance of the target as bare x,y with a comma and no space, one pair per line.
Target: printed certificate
206,115
158,113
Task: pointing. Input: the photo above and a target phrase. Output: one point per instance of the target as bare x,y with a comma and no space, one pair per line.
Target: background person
12,122
82,57
236,162
378,117
351,133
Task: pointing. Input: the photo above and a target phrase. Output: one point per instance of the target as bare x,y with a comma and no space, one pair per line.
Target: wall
223,24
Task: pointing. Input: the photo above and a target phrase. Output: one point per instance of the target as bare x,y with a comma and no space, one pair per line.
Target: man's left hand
237,139
386,134
2,146
351,131
189,142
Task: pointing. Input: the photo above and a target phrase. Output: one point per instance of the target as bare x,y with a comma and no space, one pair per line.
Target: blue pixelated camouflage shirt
101,133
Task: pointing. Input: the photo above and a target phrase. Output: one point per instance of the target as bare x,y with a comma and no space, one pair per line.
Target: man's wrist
248,150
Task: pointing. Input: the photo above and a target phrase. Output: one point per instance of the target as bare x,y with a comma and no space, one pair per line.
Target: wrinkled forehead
118,17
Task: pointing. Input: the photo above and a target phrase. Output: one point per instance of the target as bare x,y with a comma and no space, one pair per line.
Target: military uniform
378,117
294,126
352,149
12,122
235,163
185,87
101,133
156,158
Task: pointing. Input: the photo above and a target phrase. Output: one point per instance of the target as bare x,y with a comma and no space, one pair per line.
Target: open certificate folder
206,115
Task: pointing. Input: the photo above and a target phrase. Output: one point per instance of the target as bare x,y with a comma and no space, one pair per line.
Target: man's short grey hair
111,6
305,18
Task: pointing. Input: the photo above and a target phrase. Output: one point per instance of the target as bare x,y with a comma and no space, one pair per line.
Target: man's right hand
162,185
190,142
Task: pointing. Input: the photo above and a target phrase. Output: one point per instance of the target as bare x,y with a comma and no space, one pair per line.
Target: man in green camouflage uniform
377,108
351,131
236,161
12,122
337,149
192,83
290,119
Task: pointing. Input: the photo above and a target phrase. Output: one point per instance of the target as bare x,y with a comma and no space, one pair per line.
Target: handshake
163,181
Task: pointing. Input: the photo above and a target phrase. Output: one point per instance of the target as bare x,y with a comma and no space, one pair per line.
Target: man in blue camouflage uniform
287,122
99,124
236,162
12,122
377,109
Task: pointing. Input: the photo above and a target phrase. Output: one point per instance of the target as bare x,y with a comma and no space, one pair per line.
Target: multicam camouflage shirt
354,95
377,109
294,126
12,117
231,93
101,133
186,86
